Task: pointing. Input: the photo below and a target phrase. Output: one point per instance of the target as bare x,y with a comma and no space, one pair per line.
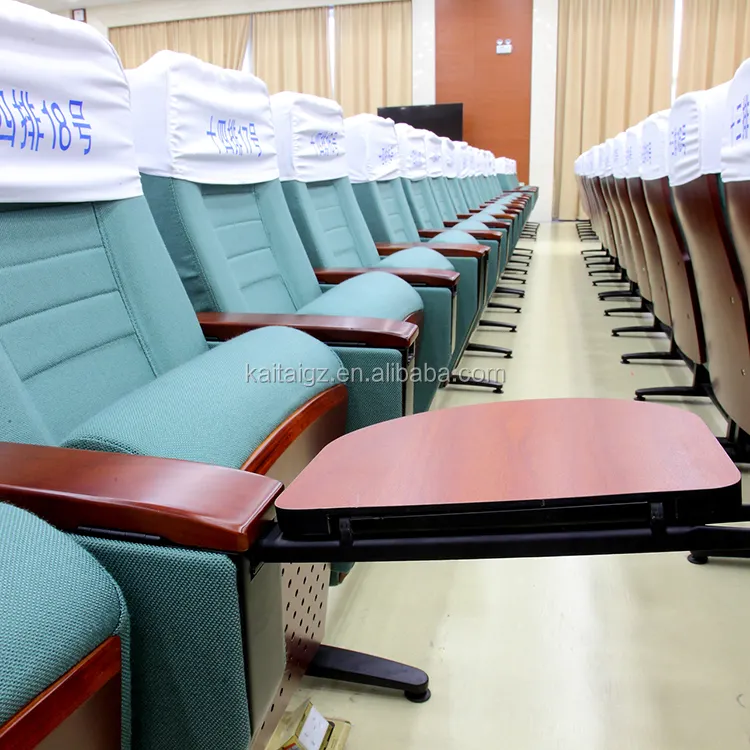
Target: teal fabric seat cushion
371,295
417,257
57,604
217,408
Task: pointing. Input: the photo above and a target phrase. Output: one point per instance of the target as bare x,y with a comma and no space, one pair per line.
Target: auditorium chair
698,123
64,642
335,235
124,426
373,162
619,231
426,214
687,342
635,243
225,223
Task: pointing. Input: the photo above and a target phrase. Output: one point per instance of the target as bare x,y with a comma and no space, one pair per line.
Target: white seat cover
309,137
412,151
434,146
633,151
371,148
607,156
696,134
66,132
450,160
619,144
464,158
735,155
199,122
655,146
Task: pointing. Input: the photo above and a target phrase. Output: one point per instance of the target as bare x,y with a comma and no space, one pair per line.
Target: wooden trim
432,277
374,332
186,503
60,700
279,441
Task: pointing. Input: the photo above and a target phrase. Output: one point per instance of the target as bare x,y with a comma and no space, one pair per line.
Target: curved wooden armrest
448,250
332,329
186,503
432,277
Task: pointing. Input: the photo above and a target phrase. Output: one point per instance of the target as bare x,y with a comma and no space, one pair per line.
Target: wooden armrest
432,277
448,250
186,503
373,332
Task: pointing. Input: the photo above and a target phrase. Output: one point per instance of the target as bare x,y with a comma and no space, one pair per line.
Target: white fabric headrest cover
655,146
434,145
464,158
309,137
607,157
618,155
199,122
696,134
633,151
501,164
735,156
450,161
412,151
371,148
66,132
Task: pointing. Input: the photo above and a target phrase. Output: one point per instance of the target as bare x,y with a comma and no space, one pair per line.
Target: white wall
543,99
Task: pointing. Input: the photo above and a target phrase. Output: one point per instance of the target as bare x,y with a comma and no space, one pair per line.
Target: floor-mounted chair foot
456,379
501,306
497,324
339,664
486,349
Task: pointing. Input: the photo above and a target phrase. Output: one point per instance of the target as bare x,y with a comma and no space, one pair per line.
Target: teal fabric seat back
470,190
57,604
443,198
422,203
90,310
386,211
330,223
235,246
457,195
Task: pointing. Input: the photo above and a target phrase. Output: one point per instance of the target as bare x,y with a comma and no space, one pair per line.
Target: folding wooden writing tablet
551,466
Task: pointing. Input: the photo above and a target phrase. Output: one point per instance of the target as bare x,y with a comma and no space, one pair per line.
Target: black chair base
497,324
700,387
650,356
653,328
456,379
642,308
514,279
501,306
487,349
331,663
510,290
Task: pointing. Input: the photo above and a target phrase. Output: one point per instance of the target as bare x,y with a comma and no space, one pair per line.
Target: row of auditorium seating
667,198
186,267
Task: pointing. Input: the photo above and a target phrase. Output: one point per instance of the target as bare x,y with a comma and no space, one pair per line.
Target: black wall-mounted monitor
441,119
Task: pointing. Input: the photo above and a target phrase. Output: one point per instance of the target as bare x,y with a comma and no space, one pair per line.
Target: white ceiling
60,5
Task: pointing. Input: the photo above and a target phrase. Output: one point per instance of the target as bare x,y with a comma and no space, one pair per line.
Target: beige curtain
221,40
614,68
373,56
290,51
715,40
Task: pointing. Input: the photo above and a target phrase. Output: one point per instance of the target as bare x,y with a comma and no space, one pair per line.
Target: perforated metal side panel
304,600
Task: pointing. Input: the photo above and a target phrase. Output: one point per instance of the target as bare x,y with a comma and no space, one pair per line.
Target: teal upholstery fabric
90,310
417,257
448,211
188,667
234,246
374,394
457,195
422,203
386,211
335,232
371,295
177,415
330,224
57,604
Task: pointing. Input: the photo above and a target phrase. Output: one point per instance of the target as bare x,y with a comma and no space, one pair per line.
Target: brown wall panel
495,89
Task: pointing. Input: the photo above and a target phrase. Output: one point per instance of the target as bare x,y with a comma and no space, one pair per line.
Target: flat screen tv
442,119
